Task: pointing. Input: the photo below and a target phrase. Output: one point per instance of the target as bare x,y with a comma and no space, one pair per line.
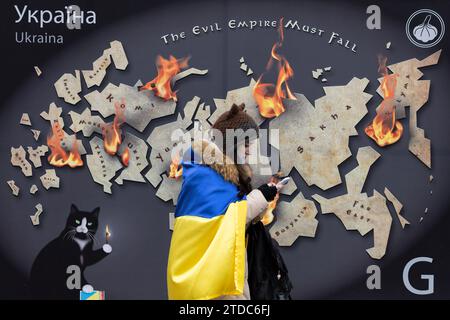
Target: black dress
267,274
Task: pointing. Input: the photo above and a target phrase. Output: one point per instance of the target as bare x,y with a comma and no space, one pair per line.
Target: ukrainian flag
207,252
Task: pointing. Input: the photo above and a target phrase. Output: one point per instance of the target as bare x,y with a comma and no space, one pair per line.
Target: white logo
425,28
428,277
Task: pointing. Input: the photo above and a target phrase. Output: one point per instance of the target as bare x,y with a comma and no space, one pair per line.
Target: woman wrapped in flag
207,258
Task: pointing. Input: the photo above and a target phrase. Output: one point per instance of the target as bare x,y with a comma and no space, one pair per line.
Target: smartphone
285,181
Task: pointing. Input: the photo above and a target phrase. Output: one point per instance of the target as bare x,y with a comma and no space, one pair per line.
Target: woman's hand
278,183
269,191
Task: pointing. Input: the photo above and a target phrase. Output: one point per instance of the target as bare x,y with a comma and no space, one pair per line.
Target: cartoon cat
73,247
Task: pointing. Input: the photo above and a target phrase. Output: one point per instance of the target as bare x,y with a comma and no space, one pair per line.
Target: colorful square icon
94,295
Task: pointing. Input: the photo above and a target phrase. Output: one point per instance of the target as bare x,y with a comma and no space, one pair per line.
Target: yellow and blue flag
207,251
94,295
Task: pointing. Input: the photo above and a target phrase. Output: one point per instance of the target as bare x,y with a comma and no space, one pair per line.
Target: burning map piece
294,219
314,140
102,166
36,154
35,218
86,122
68,87
65,150
161,143
98,72
238,96
359,212
25,119
62,139
18,160
36,134
188,72
14,188
68,142
137,161
167,70
140,106
50,179
267,94
397,206
385,129
413,93
34,189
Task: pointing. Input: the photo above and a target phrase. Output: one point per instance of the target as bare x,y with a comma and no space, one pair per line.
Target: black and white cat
73,247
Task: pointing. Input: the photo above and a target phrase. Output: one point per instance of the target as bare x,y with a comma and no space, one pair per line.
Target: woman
207,258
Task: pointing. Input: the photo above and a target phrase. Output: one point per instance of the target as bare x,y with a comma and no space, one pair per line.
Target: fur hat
236,118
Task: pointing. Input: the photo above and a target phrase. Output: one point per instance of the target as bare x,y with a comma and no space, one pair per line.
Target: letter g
429,277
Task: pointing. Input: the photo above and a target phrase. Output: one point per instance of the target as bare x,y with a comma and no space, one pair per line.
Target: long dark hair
245,185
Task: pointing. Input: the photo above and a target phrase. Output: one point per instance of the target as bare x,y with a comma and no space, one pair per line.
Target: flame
385,129
167,69
126,157
107,233
268,216
112,135
58,156
269,97
176,170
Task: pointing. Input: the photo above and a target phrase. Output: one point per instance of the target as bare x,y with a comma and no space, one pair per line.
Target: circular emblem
425,28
